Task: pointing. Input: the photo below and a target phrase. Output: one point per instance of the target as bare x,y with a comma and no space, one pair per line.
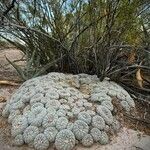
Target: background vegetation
109,38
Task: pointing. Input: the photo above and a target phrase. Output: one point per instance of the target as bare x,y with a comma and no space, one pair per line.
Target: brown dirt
7,72
138,119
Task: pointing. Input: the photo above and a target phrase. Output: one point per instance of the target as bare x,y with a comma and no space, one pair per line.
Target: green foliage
85,36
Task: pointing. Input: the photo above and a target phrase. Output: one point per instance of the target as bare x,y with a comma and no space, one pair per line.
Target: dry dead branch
6,82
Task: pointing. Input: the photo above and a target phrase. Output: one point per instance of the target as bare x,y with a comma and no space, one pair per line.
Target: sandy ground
6,70
11,54
127,139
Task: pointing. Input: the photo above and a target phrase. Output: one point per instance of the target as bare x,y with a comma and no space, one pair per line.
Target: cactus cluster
64,110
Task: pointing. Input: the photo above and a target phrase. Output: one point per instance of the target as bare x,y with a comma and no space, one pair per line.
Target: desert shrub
95,37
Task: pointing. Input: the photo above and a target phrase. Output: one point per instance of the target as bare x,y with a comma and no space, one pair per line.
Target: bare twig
137,119
128,67
6,82
84,29
7,11
34,30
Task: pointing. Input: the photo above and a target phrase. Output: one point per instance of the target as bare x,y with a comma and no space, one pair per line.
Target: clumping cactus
36,98
99,90
27,96
116,125
13,115
72,91
105,113
65,107
51,110
130,101
35,116
6,110
51,133
38,104
82,109
76,110
98,122
108,105
70,126
53,103
61,123
63,93
80,129
61,113
72,105
26,109
18,140
30,133
104,138
31,82
52,95
86,80
55,76
49,120
107,128
19,124
17,105
91,112
16,97
96,134
65,140
121,96
87,105
112,93
83,75
62,86
84,116
41,142
100,97
125,105
39,89
70,115
87,140
41,129
79,103
56,108
63,101
44,100
70,100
